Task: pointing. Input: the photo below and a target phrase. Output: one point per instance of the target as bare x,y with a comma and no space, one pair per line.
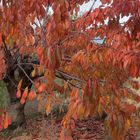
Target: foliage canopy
93,75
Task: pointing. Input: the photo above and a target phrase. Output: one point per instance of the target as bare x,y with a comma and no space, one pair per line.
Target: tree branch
26,74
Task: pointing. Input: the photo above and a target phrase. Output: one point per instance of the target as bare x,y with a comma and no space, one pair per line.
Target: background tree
93,75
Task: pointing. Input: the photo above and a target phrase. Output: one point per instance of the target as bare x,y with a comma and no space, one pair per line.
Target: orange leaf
37,83
127,124
42,88
31,95
0,39
22,101
126,92
72,124
19,84
9,120
6,121
25,93
33,73
129,108
18,94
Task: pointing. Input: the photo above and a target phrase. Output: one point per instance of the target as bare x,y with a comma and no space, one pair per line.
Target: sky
86,7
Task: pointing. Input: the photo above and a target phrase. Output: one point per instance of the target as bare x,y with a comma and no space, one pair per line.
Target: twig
71,77
14,84
26,74
63,75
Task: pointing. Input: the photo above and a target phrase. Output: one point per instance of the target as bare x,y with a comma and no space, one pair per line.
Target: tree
93,75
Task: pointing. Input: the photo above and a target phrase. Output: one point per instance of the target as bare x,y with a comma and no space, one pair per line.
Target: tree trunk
16,110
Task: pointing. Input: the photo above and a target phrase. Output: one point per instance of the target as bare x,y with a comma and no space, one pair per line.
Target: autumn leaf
25,93
33,73
22,100
19,85
18,94
6,121
31,95
127,124
42,88
72,124
100,110
105,1
48,108
94,53
129,108
135,85
0,39
37,83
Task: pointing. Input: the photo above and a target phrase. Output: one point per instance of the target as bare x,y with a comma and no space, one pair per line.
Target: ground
40,127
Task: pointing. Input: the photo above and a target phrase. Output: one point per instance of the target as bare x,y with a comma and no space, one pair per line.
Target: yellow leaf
19,84
100,110
127,124
48,108
33,73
